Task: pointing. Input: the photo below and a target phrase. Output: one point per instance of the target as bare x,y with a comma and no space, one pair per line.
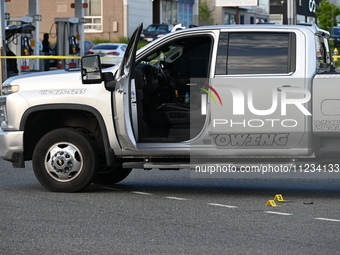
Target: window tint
151,28
336,31
255,53
162,28
105,47
158,28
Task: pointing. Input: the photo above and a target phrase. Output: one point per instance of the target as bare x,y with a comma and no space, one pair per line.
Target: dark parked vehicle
336,36
155,31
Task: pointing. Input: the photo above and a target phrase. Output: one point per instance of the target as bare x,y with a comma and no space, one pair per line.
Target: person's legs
46,63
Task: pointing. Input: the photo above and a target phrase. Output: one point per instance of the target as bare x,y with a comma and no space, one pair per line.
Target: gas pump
18,38
26,50
73,46
67,41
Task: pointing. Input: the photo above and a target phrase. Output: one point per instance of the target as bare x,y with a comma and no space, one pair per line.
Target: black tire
64,160
111,175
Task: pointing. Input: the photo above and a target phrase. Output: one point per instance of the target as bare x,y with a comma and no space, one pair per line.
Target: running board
157,165
238,165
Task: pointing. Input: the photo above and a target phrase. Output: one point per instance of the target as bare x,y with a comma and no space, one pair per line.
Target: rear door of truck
265,108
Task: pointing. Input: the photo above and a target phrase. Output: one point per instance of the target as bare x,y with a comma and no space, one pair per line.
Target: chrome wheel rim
63,162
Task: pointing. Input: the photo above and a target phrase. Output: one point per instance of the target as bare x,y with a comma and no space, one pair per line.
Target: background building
107,20
239,15
304,11
110,19
175,11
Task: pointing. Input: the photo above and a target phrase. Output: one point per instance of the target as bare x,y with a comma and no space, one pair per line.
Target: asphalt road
154,212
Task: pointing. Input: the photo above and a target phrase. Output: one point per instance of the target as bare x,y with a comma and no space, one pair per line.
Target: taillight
114,53
90,52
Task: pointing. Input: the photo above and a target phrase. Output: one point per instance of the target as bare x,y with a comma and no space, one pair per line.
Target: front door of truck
124,96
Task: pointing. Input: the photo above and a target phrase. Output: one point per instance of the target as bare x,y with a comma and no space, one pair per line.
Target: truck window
256,53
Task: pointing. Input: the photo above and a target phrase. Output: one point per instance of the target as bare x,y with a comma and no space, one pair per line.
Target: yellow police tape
335,58
52,57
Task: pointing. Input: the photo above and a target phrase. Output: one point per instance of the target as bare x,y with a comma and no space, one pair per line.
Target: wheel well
39,123
326,147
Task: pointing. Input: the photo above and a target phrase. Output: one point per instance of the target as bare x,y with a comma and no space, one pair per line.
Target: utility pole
237,19
3,69
291,12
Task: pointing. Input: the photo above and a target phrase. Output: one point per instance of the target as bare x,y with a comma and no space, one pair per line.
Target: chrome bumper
11,144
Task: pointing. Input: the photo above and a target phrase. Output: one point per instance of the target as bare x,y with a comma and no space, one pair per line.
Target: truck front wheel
64,160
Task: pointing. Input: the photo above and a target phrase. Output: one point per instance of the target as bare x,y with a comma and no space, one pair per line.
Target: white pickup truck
260,93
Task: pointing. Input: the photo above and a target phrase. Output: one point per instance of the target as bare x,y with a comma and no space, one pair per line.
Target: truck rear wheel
64,160
111,175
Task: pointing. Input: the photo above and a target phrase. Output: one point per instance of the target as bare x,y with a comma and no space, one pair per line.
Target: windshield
157,28
168,54
105,47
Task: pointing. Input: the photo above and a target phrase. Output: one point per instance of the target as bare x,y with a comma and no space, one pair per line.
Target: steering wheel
161,70
168,94
169,81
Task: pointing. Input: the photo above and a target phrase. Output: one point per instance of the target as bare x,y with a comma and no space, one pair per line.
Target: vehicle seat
177,114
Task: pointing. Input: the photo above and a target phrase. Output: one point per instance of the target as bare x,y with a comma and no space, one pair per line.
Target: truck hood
45,78
49,79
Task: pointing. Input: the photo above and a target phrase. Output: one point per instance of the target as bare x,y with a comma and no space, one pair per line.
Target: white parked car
111,53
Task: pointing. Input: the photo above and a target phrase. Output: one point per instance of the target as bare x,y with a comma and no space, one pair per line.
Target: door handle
286,86
120,90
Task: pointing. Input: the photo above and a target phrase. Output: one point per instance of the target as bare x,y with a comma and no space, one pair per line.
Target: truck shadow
182,184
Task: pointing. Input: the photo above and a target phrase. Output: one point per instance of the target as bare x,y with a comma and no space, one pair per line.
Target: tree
326,14
204,14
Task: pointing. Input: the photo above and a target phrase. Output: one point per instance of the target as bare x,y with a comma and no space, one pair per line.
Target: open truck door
122,86
124,96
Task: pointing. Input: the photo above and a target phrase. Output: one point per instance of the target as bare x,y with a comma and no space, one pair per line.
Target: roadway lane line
327,219
222,205
177,198
141,193
279,213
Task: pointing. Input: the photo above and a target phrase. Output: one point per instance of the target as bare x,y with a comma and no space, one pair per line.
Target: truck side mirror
109,81
91,71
